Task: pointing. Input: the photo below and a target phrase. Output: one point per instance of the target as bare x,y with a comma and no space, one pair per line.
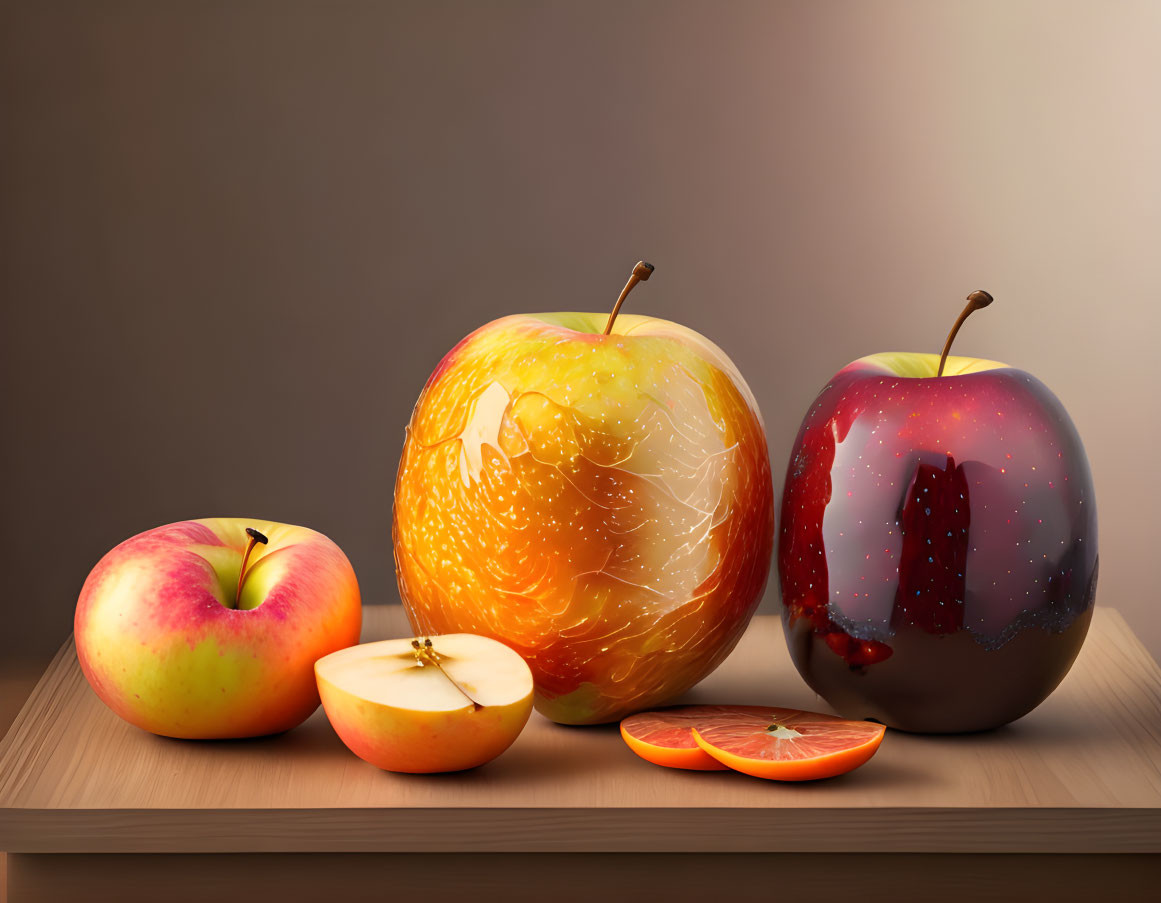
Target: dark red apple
938,544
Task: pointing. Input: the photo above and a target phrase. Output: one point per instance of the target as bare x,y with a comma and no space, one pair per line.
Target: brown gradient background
235,238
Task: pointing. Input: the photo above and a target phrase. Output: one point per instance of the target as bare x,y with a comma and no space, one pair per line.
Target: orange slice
785,744
665,736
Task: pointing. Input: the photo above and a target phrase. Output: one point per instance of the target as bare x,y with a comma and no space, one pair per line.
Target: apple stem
425,654
975,301
641,272
255,538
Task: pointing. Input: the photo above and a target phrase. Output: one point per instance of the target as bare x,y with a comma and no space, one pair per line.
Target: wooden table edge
675,830
933,829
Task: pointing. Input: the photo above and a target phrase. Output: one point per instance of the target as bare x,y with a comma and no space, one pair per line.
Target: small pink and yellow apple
443,703
210,629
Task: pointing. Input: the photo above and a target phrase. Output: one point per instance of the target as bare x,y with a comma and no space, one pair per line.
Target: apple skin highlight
602,504
161,645
938,543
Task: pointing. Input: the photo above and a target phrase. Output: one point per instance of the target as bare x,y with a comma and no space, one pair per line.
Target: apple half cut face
453,703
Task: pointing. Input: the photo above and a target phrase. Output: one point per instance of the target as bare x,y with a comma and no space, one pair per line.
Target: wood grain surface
1080,774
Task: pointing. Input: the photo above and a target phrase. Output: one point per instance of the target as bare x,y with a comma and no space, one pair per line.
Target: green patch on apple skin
576,707
201,672
177,689
916,365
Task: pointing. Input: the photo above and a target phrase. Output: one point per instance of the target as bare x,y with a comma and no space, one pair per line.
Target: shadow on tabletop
598,749
313,738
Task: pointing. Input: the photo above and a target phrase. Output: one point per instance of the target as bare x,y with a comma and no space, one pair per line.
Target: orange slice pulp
766,742
665,737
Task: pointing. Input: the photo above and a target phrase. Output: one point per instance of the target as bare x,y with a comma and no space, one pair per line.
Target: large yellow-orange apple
593,491
442,703
208,629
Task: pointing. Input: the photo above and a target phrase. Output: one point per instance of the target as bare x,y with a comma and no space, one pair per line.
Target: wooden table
92,808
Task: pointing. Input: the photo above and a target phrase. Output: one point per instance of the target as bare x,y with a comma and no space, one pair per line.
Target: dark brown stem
641,272
255,538
976,300
425,654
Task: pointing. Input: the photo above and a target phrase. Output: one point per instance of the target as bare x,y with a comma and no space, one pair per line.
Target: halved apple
442,703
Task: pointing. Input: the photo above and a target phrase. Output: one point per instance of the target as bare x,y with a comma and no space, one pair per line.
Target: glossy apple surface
165,644
401,712
601,504
938,543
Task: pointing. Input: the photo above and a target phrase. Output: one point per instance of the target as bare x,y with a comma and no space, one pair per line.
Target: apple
593,491
442,703
210,629
938,541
